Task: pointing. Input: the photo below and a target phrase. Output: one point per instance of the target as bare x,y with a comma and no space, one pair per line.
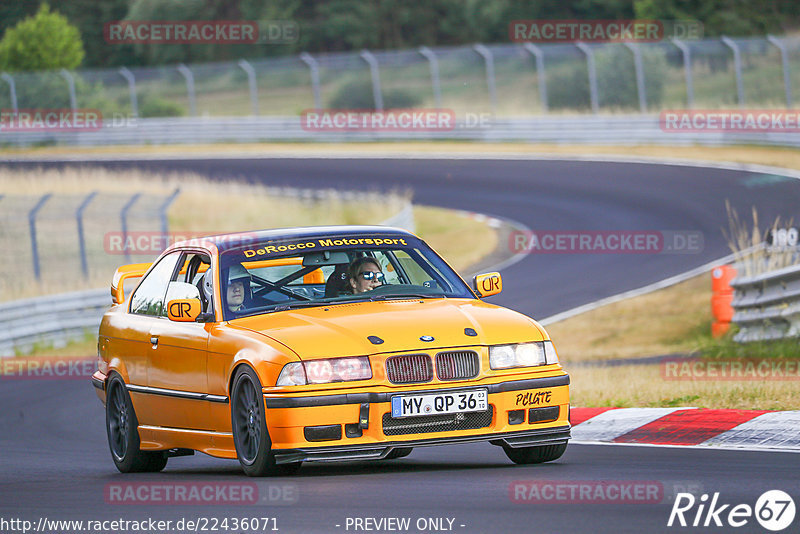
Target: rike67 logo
774,510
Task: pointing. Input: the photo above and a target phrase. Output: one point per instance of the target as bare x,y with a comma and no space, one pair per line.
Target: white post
377,95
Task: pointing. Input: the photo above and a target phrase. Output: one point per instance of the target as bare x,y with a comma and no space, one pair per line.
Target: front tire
535,455
122,428
250,436
399,452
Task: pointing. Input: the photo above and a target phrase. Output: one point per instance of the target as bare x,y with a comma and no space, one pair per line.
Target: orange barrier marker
721,299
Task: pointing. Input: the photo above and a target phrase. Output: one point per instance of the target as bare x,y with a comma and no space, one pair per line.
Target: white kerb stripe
772,430
614,423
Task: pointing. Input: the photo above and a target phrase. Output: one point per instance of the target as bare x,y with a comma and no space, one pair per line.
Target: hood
343,329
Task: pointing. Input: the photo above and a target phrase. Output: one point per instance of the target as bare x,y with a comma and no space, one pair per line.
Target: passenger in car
238,287
364,274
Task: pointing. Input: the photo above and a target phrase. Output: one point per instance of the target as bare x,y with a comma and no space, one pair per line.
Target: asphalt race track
54,459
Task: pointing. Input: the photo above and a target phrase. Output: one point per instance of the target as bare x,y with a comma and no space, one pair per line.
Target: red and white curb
734,429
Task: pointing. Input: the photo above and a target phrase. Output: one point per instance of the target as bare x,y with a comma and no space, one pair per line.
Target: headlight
522,355
325,371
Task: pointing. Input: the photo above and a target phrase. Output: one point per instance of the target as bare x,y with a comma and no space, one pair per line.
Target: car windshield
281,274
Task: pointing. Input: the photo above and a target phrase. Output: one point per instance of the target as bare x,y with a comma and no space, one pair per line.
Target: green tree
90,17
43,42
731,17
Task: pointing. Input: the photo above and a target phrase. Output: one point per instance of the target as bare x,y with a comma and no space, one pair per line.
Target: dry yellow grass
643,386
746,240
461,241
203,207
662,322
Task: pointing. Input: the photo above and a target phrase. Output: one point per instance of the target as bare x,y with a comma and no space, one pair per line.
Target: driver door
178,357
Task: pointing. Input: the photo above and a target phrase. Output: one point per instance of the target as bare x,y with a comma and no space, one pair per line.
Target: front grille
457,365
409,368
436,423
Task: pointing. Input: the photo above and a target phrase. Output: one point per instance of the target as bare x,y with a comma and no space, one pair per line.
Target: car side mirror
205,317
184,310
487,284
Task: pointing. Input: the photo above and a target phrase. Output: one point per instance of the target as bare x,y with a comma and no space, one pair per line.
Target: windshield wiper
404,296
301,304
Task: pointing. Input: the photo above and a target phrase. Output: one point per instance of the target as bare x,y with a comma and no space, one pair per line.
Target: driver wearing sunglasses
364,274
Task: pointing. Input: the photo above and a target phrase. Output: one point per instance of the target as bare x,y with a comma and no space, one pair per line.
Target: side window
193,266
391,274
149,296
417,275
187,282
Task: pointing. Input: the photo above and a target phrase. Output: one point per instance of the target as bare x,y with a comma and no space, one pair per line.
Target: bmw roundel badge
426,338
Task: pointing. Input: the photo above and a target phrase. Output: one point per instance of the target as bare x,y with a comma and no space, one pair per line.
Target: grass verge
202,208
645,386
672,320
675,319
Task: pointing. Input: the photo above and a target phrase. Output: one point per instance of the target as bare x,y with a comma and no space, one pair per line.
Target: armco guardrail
56,319
767,306
593,129
53,319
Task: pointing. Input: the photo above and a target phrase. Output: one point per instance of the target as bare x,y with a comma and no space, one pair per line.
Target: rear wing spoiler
134,270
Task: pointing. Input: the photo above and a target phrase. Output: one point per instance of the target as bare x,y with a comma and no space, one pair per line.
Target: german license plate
473,400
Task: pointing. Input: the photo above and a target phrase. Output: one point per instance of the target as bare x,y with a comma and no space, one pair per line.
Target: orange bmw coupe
279,347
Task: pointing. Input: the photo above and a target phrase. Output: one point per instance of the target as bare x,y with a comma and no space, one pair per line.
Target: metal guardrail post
313,67
377,94
12,88
123,215
128,75
592,68
73,100
638,68
737,65
787,81
163,212
32,225
428,54
540,72
251,82
187,74
81,240
687,70
490,79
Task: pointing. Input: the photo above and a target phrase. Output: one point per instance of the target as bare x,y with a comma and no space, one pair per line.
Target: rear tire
122,428
535,455
250,436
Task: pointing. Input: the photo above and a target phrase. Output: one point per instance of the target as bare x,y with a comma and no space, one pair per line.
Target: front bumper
359,426
527,438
